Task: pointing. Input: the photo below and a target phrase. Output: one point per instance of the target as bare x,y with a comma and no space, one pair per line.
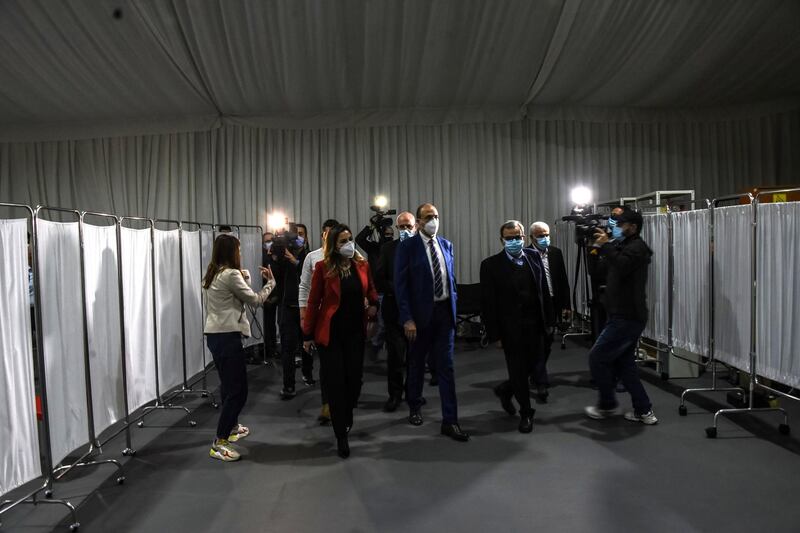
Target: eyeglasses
405,226
513,238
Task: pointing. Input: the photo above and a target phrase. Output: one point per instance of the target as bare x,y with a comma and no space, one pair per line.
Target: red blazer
323,300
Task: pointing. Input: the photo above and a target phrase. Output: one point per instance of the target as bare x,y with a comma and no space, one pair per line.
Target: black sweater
627,263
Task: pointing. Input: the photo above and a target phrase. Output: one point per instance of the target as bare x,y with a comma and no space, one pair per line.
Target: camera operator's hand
308,345
266,273
372,312
290,256
410,329
566,315
600,237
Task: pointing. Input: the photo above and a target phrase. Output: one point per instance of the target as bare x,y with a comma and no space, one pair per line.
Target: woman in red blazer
341,302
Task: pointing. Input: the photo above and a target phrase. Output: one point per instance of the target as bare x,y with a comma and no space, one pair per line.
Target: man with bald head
396,342
425,287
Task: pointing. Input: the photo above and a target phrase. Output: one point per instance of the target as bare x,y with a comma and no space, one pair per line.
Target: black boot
342,447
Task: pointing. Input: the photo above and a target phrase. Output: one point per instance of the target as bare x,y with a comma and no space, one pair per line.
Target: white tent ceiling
70,69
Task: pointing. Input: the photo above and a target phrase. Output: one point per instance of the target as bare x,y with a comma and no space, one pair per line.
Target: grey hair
512,224
540,224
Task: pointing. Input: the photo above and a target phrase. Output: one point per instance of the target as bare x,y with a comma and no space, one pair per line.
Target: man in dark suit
396,342
517,310
558,287
425,287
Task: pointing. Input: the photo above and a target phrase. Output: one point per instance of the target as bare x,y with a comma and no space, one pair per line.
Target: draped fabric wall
479,175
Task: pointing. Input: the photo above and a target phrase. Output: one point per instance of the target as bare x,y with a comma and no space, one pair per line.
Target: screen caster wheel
711,433
784,429
48,494
192,423
563,346
204,395
682,410
215,405
127,452
140,424
75,527
121,480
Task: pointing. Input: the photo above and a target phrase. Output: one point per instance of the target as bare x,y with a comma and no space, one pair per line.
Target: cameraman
286,268
597,269
627,259
271,305
373,250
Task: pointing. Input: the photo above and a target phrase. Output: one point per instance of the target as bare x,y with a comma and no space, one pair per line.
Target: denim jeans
613,357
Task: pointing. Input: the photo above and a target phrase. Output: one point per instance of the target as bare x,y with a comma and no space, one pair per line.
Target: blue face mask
405,234
300,241
543,242
612,223
514,247
616,233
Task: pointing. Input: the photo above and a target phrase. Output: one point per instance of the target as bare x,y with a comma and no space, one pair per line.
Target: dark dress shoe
505,401
526,423
342,447
415,418
391,405
434,381
454,432
541,394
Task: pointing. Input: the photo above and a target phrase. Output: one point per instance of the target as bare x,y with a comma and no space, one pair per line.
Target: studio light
581,196
276,221
380,201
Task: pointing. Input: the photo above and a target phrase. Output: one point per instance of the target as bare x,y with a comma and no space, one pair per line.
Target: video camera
586,225
379,220
285,239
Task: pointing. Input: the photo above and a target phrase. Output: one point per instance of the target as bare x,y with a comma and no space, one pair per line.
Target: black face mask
387,238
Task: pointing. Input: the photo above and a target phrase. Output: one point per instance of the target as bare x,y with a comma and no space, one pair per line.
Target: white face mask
348,249
432,226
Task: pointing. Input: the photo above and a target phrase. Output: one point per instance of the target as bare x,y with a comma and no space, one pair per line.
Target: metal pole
128,451
183,304
85,327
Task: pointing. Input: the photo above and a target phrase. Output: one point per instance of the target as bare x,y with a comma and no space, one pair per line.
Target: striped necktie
438,283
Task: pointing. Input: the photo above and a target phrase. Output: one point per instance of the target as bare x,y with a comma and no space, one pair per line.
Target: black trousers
229,358
342,370
539,375
396,351
523,349
289,319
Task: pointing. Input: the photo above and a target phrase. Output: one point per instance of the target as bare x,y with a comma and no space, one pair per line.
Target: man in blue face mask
558,284
395,339
612,357
516,309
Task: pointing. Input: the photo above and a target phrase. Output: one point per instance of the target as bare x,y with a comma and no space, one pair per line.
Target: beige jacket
225,300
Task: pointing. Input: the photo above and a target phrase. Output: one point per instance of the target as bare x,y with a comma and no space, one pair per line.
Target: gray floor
571,474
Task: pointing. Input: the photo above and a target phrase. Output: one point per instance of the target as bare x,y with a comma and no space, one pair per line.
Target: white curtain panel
732,281
137,284
690,289
250,244
62,326
168,306
778,297
193,306
655,233
102,313
19,461
206,246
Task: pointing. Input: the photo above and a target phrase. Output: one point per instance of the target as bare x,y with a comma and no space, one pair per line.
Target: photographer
381,226
627,259
288,252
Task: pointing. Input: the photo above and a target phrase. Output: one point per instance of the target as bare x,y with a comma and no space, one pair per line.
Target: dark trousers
599,317
270,328
523,351
436,338
539,375
612,357
342,370
229,358
291,334
396,350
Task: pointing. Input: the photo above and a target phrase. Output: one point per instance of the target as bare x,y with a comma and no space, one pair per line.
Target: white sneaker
239,432
649,418
221,449
596,413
